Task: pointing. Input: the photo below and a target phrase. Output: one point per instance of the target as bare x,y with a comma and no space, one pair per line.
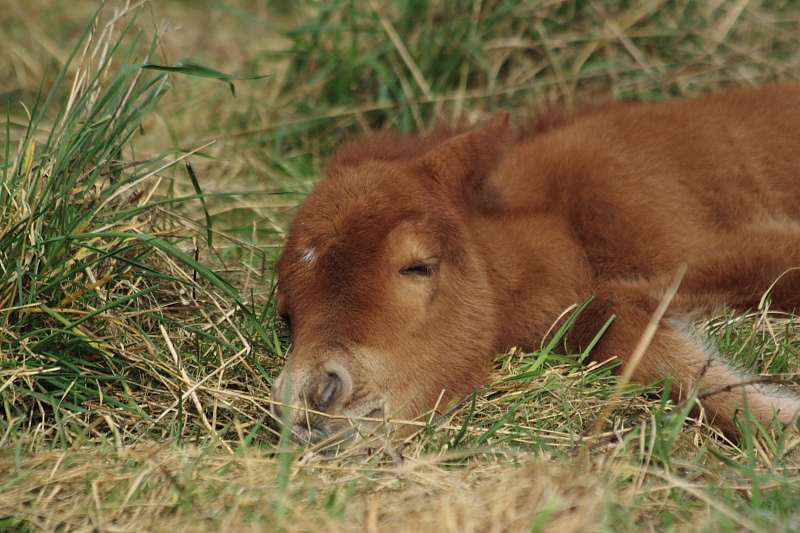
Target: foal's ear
469,156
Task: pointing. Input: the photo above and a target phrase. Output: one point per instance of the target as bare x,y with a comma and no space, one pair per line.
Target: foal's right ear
470,155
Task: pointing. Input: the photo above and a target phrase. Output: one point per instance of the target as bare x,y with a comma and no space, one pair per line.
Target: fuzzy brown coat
418,258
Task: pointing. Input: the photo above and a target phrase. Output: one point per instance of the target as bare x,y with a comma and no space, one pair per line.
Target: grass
137,337
107,314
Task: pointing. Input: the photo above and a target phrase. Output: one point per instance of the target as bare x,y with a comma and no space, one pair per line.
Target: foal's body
416,259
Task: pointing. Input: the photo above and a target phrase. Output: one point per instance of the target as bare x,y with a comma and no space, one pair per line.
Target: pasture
153,156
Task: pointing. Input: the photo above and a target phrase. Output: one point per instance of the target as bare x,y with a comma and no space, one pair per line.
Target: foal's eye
423,269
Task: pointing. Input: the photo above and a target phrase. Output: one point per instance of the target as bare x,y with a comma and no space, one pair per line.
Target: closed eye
423,269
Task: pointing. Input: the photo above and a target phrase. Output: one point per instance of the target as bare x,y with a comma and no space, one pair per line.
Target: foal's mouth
323,429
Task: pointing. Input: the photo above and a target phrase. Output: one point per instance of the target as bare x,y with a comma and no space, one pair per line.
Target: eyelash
420,269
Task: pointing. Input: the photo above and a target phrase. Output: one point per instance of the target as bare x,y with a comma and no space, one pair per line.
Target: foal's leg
759,259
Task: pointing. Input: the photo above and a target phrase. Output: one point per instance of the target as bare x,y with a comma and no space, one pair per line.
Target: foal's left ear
471,155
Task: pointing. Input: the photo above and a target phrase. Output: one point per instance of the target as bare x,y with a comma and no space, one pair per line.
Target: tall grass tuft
106,315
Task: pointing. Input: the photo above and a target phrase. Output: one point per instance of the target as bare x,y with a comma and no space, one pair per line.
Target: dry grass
623,485
184,442
151,488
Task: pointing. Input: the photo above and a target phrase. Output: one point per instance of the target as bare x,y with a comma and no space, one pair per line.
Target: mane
554,117
392,146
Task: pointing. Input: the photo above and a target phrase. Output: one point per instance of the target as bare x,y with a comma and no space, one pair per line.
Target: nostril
334,388
301,398
332,384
